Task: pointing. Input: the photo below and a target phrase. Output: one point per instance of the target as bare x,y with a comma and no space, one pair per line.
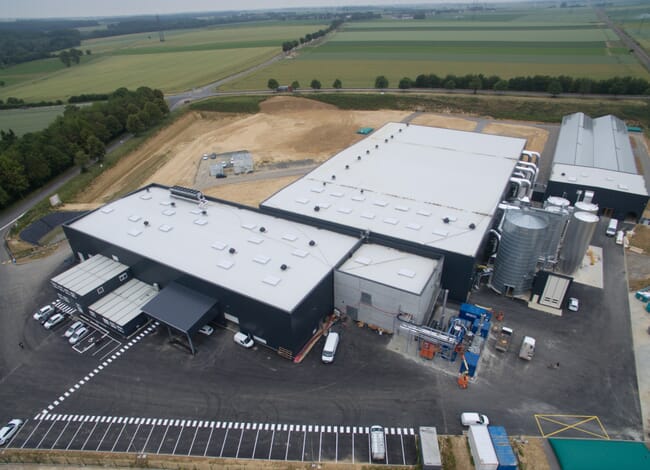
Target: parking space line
403,454
355,429
147,441
257,435
178,439
224,443
320,444
128,449
163,439
304,440
286,453
118,436
45,435
241,436
271,448
16,435
196,430
207,446
369,449
83,447
336,448
60,434
103,437
75,436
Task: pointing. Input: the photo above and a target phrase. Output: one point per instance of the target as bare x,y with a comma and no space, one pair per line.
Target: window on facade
100,290
366,298
123,277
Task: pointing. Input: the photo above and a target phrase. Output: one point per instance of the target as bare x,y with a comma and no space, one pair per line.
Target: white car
471,418
620,237
78,335
54,320
72,328
44,312
206,330
574,304
243,340
8,431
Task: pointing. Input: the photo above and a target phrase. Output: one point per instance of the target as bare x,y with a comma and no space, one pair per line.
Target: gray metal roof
390,267
90,274
182,237
598,143
124,303
404,181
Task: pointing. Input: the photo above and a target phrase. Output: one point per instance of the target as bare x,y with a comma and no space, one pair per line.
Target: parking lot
266,441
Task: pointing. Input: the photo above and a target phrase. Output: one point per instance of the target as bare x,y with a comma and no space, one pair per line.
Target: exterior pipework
520,182
521,242
578,236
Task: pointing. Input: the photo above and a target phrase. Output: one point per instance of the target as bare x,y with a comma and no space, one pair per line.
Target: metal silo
556,201
521,241
582,206
556,218
578,236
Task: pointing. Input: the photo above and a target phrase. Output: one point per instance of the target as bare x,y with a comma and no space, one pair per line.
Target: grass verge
230,104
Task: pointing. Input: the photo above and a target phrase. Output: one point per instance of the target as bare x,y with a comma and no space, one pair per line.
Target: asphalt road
630,43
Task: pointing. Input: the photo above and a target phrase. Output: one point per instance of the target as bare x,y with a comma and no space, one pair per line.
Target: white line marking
147,441
225,436
75,435
103,437
272,437
320,444
128,449
163,439
403,455
60,434
193,439
83,447
241,435
257,435
353,445
309,428
207,446
304,439
286,452
178,439
336,454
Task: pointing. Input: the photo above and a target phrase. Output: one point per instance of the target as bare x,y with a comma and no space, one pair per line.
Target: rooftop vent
358,157
406,273
472,226
446,220
312,243
225,264
347,167
283,267
173,204
333,177
134,218
146,223
262,229
324,183
272,280
232,251
385,141
367,152
316,208
391,136
376,146
186,193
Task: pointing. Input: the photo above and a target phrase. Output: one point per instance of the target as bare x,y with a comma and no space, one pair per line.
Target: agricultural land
26,120
508,44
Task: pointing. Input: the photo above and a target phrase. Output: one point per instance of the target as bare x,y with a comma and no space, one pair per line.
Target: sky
94,8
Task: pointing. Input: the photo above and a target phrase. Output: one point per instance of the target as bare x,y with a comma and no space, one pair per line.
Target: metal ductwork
533,156
521,165
521,182
532,174
497,234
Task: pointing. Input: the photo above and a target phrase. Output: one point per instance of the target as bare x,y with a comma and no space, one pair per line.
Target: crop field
22,121
186,59
507,45
635,19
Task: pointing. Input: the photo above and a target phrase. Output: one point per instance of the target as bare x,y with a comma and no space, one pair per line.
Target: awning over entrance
182,309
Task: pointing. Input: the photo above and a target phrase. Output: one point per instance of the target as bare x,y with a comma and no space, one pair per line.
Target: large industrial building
594,161
377,232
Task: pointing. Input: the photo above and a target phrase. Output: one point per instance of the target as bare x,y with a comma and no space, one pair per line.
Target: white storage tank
578,236
556,201
583,206
482,449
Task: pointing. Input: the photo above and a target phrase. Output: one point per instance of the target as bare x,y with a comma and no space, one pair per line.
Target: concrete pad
590,271
640,322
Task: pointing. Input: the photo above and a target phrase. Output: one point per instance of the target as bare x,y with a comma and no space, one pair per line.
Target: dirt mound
288,104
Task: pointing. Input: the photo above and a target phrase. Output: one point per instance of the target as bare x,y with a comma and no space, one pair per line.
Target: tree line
75,138
17,46
289,45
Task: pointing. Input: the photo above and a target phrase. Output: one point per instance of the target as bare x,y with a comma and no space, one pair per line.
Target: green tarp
593,454
365,130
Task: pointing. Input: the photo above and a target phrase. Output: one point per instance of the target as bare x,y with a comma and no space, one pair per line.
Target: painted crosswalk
213,438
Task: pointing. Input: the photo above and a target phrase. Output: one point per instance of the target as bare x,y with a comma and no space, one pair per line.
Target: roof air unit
186,193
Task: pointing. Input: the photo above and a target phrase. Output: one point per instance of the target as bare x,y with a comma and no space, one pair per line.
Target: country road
630,43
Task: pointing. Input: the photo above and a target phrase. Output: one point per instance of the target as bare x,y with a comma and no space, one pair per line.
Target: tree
554,88
272,84
64,56
75,55
617,88
88,52
295,85
381,82
95,148
337,84
12,176
450,85
81,159
154,112
500,86
476,84
315,84
133,124
405,83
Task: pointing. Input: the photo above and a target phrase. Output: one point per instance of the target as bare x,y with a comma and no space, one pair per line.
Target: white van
620,236
331,343
612,227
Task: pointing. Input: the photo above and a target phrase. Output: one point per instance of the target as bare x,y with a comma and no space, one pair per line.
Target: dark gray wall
93,296
279,328
623,204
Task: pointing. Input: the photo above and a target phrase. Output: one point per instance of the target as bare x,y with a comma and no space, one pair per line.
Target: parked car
574,304
44,313
206,330
244,340
54,320
8,431
78,335
620,237
72,328
471,418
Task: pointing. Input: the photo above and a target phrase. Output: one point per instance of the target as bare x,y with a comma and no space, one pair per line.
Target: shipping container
505,455
430,449
482,449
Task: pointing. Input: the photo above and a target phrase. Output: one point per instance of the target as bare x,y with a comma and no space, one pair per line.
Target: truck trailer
503,449
377,443
480,445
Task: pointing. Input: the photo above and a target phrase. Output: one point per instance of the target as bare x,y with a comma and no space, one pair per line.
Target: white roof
390,267
124,303
182,237
90,274
599,178
403,181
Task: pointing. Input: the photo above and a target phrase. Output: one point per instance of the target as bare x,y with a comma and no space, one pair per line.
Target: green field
186,59
22,121
635,20
541,42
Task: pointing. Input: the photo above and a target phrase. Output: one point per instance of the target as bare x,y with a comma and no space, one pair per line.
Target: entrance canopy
181,308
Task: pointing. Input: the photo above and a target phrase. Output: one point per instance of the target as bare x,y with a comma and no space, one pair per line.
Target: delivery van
329,350
612,227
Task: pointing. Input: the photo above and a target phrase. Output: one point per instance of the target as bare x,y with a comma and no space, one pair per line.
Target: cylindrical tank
556,201
582,206
521,240
556,217
578,236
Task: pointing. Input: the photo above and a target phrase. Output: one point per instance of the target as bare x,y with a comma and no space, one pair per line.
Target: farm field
635,20
511,44
22,121
186,59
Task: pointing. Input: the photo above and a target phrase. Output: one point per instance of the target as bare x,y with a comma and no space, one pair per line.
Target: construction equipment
504,339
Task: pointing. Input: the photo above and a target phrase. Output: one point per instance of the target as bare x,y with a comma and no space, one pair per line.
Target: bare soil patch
446,122
530,453
536,137
250,193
